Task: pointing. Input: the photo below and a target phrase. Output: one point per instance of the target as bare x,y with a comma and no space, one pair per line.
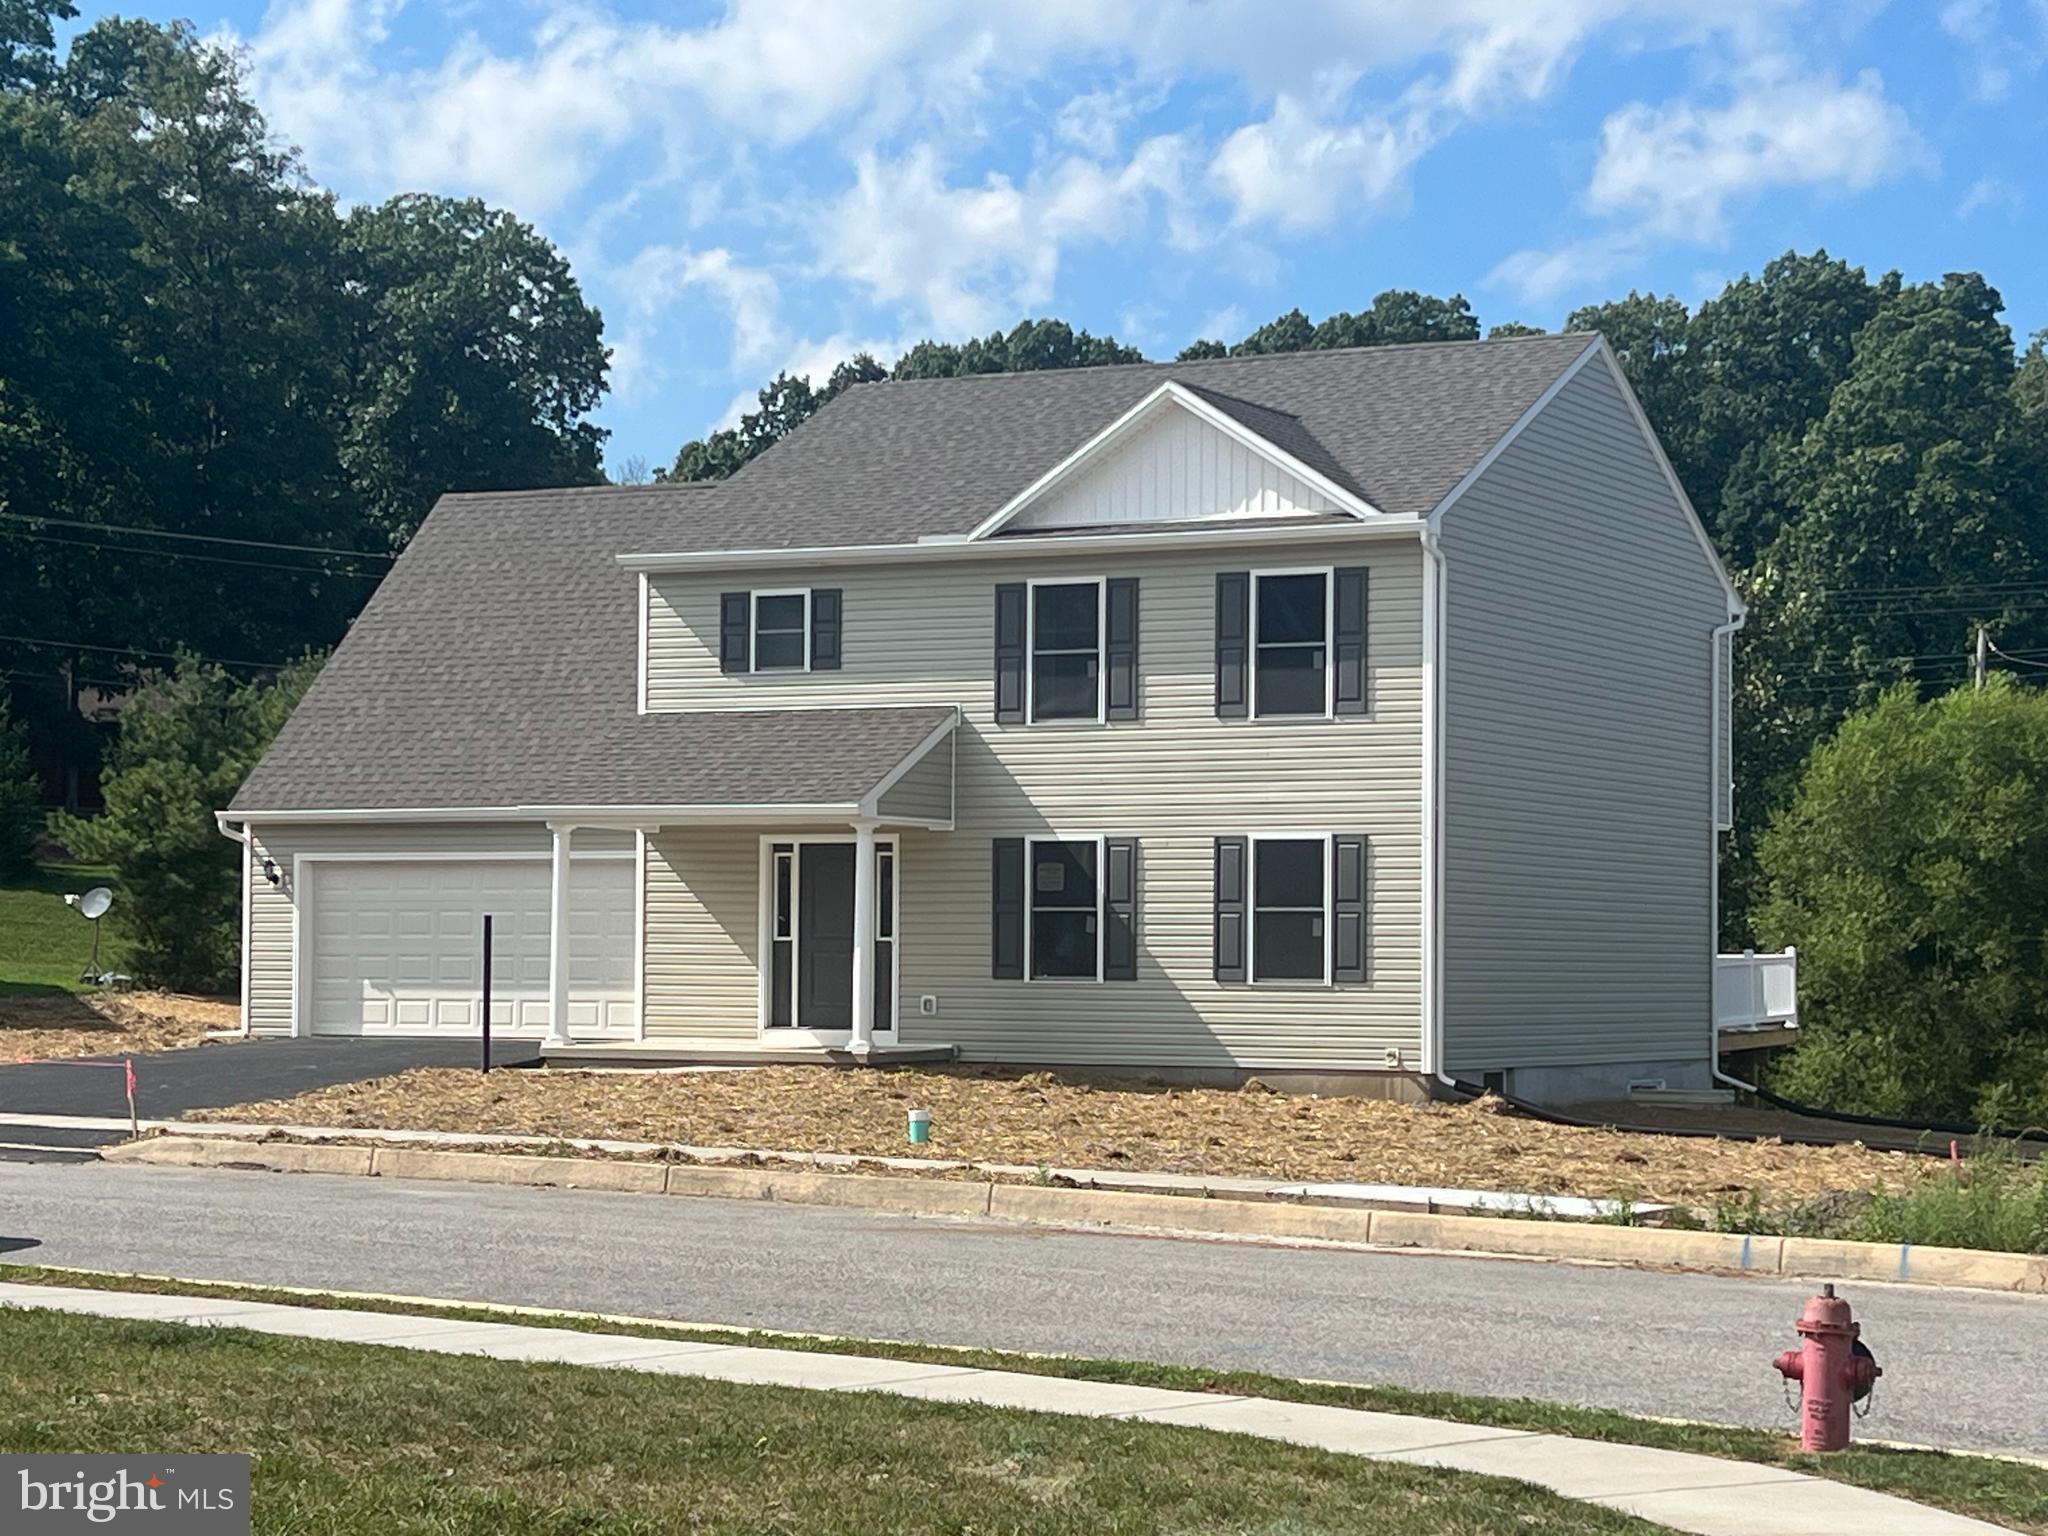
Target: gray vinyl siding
270,959
1175,779
926,792
1578,751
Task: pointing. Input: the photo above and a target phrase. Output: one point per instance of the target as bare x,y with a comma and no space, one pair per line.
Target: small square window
782,623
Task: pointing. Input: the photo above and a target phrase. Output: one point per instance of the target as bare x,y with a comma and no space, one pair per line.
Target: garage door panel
396,947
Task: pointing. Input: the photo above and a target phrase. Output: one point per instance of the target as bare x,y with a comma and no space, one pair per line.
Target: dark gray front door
825,932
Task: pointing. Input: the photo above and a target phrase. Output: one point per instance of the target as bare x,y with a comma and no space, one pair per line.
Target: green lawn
353,1440
2008,1493
44,944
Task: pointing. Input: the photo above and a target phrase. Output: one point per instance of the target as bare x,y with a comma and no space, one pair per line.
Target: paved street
1959,1365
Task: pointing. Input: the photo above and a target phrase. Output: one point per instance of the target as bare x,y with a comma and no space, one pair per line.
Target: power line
2018,661
134,650
197,538
186,554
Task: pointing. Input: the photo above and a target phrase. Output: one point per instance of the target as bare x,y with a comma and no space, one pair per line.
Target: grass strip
2009,1493
354,1440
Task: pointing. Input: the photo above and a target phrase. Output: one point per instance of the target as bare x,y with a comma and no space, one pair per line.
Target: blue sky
774,183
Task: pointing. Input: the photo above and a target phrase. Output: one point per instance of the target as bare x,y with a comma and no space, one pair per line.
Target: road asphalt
1960,1366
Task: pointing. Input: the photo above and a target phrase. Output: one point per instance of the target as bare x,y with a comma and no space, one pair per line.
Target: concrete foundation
1599,1080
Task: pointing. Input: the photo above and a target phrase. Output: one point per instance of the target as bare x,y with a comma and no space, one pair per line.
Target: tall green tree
1910,867
1648,335
785,404
1397,315
21,815
1031,345
187,740
480,361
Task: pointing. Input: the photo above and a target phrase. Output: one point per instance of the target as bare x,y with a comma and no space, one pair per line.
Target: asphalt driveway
169,1084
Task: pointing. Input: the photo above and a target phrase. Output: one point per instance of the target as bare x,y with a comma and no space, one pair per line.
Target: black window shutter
1230,909
1233,643
1347,901
825,629
735,615
1120,909
1006,903
1120,649
1010,658
1348,644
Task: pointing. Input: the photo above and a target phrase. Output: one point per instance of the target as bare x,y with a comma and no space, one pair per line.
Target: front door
809,915
824,925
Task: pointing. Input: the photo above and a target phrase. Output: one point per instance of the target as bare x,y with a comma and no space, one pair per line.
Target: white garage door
396,948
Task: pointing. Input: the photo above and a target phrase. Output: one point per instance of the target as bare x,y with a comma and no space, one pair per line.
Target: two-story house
1352,712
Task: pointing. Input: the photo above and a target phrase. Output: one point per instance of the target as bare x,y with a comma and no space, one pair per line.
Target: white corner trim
1166,396
869,807
639,933
645,599
1435,579
300,1025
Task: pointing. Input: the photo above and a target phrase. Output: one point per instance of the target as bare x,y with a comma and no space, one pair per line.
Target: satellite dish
94,903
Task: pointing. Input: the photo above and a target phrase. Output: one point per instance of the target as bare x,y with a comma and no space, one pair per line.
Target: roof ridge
1243,358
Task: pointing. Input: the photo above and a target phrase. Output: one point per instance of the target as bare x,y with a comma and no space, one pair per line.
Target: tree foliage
193,339
187,740
21,812
1911,868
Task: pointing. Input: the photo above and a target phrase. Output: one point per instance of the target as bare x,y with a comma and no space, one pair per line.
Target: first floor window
782,625
1289,909
1066,651
1291,625
1065,893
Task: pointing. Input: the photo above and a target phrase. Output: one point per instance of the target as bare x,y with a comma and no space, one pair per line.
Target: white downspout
1735,622
1434,582
241,836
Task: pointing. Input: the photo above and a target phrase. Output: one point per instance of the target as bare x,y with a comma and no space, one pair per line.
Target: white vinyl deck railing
1753,990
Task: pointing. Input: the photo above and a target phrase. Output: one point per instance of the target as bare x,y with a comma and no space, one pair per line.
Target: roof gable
1182,454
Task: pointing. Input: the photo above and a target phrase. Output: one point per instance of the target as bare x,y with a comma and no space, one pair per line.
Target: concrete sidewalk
1701,1494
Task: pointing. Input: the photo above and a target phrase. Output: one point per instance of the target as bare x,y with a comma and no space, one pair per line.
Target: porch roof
722,765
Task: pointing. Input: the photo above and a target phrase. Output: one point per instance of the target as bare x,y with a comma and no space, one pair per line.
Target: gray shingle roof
496,664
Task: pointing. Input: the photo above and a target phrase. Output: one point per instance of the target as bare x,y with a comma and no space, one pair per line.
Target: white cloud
1989,191
1297,172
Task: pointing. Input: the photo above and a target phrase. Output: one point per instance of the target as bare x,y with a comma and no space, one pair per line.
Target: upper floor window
782,629
1066,650
1291,643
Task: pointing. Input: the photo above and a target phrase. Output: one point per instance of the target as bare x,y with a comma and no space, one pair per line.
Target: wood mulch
51,1027
1058,1120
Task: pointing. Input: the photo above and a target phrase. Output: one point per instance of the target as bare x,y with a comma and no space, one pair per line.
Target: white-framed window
781,624
1066,621
1290,907
1063,891
1293,617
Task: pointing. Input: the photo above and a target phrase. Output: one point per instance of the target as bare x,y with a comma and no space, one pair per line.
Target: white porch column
558,938
863,938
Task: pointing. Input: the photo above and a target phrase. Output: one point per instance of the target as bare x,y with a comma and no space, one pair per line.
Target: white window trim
1251,906
1101,584
754,627
1101,842
795,1034
1329,575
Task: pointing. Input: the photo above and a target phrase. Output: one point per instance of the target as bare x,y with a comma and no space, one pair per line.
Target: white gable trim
1601,350
1168,396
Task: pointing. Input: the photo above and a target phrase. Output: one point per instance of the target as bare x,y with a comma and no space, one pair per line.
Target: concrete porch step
724,1053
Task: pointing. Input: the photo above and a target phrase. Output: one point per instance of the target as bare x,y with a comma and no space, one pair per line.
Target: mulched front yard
50,1027
1034,1118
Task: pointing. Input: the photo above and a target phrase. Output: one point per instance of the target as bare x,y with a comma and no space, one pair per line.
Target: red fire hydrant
1833,1368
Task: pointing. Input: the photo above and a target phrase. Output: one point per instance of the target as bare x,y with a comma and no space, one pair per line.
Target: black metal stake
487,991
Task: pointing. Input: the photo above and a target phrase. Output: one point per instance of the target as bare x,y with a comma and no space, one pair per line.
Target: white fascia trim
625,818
869,808
1167,395
1204,535
1598,348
